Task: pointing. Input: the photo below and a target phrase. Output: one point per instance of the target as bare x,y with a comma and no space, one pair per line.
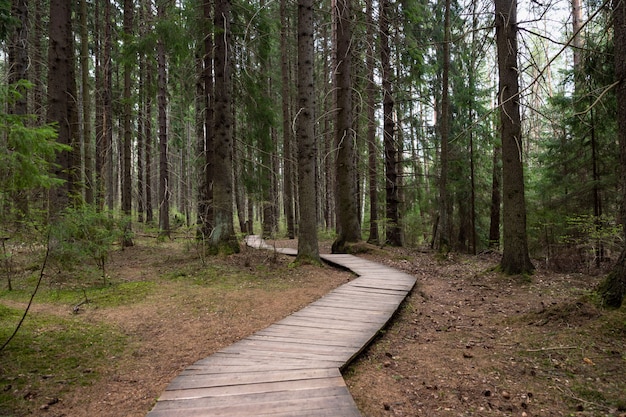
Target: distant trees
198,111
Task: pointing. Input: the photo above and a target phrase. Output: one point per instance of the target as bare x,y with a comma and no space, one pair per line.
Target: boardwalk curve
293,367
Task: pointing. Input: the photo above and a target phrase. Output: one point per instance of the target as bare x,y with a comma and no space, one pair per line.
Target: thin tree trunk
393,228
148,143
515,258
372,143
128,137
164,186
287,129
444,228
86,104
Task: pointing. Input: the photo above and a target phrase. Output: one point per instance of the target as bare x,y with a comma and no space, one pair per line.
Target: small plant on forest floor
83,234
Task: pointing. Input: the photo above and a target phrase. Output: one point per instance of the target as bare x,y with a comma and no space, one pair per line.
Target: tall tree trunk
18,54
104,142
61,105
444,228
613,288
206,212
347,206
128,137
515,258
37,60
148,142
164,186
86,104
18,70
223,237
372,144
305,133
287,129
393,228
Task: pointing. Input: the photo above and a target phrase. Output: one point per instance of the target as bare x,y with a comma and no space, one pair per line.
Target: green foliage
6,20
26,152
85,234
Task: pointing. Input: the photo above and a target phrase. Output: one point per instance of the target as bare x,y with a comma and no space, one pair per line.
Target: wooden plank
250,389
293,406
299,340
212,380
261,398
291,368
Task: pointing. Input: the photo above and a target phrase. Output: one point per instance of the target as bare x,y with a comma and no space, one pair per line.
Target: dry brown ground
467,342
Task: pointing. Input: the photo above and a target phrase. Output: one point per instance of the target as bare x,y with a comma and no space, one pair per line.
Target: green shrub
84,234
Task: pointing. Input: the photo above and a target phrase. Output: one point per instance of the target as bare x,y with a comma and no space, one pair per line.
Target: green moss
49,355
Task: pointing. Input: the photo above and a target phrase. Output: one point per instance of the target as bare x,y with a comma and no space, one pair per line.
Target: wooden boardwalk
293,367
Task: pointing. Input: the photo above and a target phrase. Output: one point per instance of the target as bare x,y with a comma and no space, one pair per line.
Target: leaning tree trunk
515,258
613,288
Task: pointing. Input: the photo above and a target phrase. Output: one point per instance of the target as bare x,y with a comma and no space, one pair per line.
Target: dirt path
473,343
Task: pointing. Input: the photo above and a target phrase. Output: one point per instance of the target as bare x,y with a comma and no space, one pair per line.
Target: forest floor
467,341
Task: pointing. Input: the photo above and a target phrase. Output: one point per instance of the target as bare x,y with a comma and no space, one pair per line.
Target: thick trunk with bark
61,101
515,258
347,205
613,288
307,150
223,237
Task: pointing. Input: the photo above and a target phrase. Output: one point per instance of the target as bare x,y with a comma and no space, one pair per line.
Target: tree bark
613,289
223,237
347,206
18,70
393,235
444,228
372,145
86,105
128,137
308,250
287,129
61,105
205,211
515,258
496,198
164,186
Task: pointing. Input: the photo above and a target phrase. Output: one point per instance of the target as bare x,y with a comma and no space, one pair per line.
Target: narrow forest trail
293,367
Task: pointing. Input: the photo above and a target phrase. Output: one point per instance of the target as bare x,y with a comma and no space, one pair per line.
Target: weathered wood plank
292,368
